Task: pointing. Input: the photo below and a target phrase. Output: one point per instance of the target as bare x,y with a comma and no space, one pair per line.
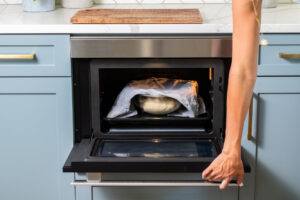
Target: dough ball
158,105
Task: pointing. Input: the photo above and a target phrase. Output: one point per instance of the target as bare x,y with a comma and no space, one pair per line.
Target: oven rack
144,120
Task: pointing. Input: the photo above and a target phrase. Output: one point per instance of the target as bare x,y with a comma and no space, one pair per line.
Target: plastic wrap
184,91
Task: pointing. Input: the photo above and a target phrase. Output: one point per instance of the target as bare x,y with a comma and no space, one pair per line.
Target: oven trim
151,47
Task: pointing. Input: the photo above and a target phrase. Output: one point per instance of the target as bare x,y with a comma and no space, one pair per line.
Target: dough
158,105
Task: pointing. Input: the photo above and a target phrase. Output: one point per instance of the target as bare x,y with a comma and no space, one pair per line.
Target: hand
224,168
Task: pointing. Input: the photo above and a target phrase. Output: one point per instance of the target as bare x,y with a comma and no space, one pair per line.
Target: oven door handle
148,184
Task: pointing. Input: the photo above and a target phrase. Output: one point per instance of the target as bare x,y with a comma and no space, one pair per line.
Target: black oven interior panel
81,98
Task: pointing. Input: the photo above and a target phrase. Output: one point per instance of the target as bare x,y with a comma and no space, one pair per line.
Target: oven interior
118,78
145,143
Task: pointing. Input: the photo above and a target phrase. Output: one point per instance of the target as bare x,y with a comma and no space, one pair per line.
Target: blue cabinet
275,58
35,55
82,192
36,117
36,136
163,193
150,193
274,148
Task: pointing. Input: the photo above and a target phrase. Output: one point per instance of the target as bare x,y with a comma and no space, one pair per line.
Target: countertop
217,20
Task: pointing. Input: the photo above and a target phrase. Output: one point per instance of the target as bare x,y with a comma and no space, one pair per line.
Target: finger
214,176
225,183
239,180
206,172
216,179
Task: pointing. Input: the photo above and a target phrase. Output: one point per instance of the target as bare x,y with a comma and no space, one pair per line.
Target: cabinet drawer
281,57
35,55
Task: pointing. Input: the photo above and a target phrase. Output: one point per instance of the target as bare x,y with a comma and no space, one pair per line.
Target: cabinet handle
283,55
146,184
250,120
17,56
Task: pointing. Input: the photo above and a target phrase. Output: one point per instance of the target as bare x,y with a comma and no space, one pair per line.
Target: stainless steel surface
147,184
151,47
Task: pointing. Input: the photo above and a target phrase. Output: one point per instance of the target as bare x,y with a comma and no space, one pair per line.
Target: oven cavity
109,77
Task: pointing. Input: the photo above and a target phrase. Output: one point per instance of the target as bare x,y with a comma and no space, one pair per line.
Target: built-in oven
103,66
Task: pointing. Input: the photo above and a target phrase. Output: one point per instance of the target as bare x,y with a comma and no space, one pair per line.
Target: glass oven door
154,149
142,155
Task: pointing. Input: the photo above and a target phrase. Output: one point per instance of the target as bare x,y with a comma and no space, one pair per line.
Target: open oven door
136,155
143,155
98,156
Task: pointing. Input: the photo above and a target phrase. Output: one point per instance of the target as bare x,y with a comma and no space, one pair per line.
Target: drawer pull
146,184
283,55
17,56
250,120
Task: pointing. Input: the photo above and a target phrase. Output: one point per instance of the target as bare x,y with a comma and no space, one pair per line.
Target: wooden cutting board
137,16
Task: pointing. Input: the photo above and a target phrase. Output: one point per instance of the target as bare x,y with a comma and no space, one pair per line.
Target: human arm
241,82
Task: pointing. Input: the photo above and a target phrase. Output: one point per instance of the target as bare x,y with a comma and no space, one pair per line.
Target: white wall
147,1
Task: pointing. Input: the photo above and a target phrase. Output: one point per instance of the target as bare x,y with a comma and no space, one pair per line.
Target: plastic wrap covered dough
184,91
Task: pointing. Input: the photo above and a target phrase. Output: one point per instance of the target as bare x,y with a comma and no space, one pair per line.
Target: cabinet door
82,192
274,149
36,137
46,55
160,193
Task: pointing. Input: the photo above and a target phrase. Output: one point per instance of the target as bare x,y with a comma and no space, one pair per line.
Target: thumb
225,183
239,180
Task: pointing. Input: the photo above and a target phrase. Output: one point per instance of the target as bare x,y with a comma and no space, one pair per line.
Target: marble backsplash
145,1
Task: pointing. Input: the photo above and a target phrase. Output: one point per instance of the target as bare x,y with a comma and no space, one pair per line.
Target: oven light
156,140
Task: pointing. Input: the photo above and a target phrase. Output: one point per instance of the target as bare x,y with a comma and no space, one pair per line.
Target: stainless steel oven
103,65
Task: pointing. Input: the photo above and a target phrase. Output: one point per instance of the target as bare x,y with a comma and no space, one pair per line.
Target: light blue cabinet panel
271,64
160,193
36,130
274,149
270,55
83,192
52,55
282,39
